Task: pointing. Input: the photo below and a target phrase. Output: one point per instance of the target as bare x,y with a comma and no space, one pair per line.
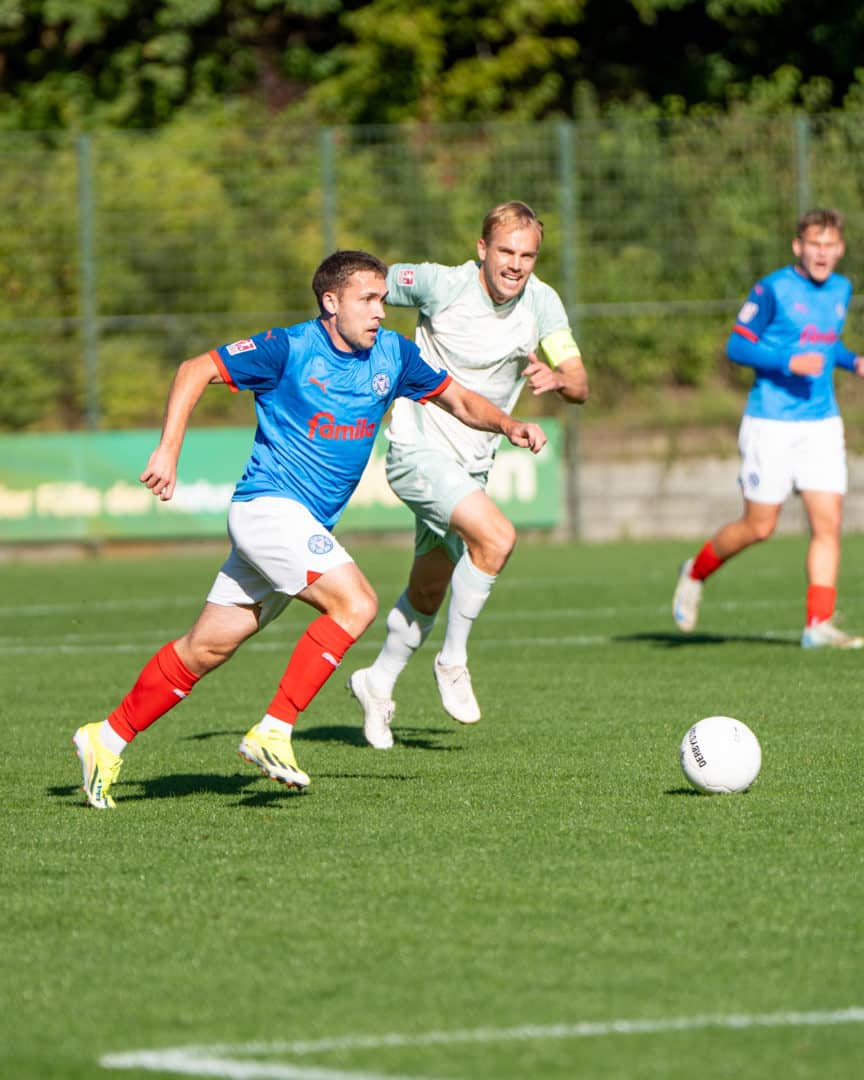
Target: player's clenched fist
160,476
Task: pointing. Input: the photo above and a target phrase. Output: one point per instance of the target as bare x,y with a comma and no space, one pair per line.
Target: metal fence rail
123,253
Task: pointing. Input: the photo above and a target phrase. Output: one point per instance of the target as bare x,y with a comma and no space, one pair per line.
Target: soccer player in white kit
791,436
321,389
495,327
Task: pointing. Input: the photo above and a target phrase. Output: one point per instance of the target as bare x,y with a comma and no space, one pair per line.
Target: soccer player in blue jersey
496,327
791,436
321,390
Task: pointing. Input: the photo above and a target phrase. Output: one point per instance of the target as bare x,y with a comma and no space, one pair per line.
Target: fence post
569,263
328,190
802,163
89,310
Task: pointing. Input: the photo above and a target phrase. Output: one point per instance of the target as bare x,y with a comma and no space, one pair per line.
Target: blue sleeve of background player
744,345
844,357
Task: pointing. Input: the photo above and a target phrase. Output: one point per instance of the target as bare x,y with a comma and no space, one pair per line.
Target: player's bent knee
494,553
427,599
359,615
763,532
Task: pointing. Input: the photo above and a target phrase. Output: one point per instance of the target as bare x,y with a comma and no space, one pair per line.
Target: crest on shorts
753,480
381,383
320,544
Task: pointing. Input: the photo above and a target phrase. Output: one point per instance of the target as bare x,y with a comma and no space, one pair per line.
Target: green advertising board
84,487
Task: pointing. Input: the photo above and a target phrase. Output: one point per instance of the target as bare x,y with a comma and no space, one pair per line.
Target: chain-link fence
123,253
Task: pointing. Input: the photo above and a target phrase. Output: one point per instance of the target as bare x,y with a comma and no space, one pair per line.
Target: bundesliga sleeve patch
241,346
405,277
748,312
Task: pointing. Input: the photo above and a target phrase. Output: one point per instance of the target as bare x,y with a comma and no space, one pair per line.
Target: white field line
79,643
570,640
52,610
198,1063
224,1060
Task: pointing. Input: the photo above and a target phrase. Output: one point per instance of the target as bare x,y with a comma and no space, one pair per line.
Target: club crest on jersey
748,312
241,346
324,424
320,544
381,383
405,277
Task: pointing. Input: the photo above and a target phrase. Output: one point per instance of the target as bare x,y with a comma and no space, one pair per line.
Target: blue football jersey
785,314
319,409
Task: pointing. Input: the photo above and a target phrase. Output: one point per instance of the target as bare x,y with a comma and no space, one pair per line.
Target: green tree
131,63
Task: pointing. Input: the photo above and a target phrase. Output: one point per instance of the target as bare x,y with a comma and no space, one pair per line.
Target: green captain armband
559,346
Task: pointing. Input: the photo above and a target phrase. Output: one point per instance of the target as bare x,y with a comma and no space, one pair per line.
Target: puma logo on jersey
322,385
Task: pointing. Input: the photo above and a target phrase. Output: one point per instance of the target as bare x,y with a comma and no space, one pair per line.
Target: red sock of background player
316,656
820,603
705,563
163,683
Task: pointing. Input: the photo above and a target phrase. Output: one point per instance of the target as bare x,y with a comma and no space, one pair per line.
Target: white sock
271,724
469,591
407,629
110,739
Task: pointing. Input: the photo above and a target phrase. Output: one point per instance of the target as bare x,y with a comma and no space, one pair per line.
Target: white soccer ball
720,755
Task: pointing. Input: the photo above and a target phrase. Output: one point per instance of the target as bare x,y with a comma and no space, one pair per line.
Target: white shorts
431,484
782,456
278,548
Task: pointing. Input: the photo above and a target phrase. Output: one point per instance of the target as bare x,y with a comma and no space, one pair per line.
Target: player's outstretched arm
476,411
192,378
568,378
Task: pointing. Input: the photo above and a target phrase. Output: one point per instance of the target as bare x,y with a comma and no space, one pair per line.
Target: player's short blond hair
509,215
822,219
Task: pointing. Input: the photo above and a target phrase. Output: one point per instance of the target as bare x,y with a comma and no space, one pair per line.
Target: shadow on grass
183,785
693,793
419,738
671,640
413,738
410,738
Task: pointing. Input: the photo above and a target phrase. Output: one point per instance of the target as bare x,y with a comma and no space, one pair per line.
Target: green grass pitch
541,896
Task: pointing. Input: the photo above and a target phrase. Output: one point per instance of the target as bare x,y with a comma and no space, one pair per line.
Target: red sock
316,656
705,563
820,603
163,683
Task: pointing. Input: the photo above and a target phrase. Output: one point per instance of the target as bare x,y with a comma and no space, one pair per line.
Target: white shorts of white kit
278,548
782,456
431,483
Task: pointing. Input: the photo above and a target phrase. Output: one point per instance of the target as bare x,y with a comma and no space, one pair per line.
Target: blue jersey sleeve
844,357
256,363
419,380
744,345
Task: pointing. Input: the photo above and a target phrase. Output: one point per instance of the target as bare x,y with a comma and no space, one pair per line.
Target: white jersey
483,345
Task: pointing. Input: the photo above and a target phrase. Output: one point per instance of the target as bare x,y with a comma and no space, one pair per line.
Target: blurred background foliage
171,172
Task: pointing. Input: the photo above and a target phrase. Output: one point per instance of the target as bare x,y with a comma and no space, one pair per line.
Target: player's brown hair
822,219
510,214
335,271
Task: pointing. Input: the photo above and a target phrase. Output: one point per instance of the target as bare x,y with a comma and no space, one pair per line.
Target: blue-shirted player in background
791,436
321,390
